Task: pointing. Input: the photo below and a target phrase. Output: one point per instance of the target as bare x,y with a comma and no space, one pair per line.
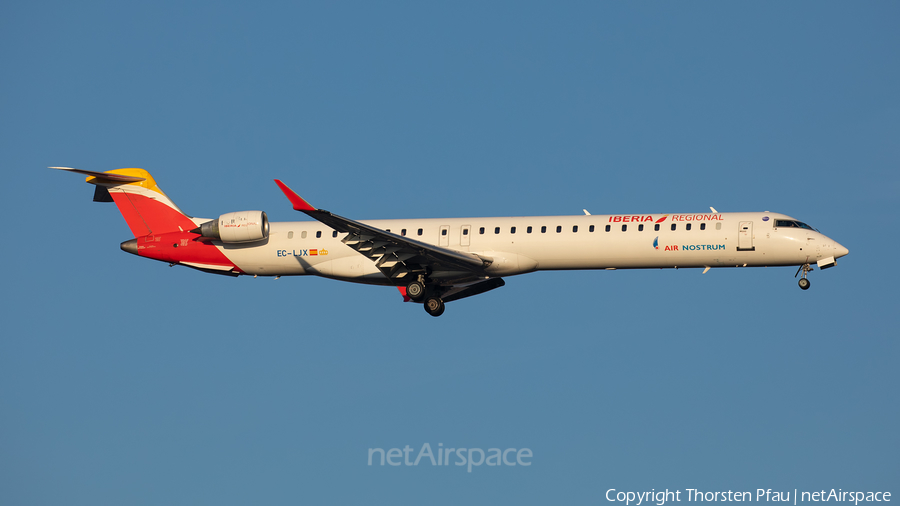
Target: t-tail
161,230
146,209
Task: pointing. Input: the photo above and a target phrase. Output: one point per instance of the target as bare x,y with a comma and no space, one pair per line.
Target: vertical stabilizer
146,209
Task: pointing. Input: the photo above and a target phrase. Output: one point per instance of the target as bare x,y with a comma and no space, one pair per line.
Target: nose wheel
804,283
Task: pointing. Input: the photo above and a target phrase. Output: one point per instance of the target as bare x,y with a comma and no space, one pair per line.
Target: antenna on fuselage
585,212
713,209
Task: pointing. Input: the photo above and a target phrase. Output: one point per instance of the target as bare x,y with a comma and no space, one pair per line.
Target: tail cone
130,246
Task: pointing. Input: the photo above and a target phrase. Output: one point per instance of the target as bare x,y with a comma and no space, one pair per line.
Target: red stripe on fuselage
182,247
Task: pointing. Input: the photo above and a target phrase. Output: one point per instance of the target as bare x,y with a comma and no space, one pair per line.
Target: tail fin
145,207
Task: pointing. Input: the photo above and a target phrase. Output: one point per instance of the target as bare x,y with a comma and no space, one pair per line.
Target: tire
434,306
415,291
804,284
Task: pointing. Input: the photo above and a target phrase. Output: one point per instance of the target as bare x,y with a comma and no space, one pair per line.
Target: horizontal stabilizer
103,176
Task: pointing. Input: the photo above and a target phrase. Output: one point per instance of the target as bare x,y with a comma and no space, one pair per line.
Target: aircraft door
444,238
464,232
745,236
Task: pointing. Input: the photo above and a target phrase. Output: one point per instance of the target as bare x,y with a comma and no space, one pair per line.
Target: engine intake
242,226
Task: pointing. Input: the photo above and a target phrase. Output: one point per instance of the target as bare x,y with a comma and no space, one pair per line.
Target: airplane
439,260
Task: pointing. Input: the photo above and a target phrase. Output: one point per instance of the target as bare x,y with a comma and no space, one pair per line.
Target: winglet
297,201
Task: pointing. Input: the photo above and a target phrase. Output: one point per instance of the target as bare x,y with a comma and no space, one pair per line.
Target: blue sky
124,381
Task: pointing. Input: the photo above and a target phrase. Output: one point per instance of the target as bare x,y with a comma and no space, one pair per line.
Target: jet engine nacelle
242,226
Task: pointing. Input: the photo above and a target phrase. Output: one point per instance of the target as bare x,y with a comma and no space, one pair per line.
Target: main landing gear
804,283
415,290
418,292
434,306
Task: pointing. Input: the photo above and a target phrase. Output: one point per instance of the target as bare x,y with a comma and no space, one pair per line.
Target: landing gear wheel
415,290
434,306
804,284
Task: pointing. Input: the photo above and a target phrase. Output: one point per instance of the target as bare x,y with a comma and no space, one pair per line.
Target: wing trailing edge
396,256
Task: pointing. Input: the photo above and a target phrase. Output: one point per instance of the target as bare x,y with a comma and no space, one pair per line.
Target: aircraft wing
394,255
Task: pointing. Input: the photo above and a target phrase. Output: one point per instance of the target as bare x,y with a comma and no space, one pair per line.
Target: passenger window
558,229
387,230
443,231
687,227
703,226
673,226
334,234
656,227
496,230
481,230
591,229
319,234
544,230
303,234
608,228
419,232
528,230
512,230
719,226
624,228
465,231
403,232
291,234
641,227
575,228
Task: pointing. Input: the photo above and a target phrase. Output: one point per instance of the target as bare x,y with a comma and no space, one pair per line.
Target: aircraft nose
839,250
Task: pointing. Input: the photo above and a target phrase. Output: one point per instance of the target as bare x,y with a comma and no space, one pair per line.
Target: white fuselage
517,245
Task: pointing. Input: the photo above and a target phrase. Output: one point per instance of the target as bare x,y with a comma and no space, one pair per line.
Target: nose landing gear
804,283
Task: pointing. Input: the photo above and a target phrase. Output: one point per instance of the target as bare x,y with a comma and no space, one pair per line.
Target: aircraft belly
263,261
349,268
289,257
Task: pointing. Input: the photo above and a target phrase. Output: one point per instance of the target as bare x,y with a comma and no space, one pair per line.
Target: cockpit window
792,224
